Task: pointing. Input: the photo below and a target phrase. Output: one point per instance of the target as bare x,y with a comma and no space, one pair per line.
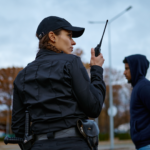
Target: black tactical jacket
57,91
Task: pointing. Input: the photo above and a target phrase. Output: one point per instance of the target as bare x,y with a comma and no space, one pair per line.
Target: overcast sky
130,32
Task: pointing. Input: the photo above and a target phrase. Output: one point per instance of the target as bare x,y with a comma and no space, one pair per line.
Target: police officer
56,89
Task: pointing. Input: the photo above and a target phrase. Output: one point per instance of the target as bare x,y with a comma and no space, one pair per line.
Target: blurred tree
121,97
124,108
3,117
78,52
7,77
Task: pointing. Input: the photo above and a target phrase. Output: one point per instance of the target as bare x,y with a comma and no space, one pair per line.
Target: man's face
127,72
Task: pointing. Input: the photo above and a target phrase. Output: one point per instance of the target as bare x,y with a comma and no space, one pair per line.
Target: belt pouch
90,131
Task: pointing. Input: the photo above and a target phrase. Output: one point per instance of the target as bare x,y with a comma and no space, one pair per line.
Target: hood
138,65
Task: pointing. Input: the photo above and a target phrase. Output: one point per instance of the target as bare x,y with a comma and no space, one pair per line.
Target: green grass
1,138
123,136
103,136
120,136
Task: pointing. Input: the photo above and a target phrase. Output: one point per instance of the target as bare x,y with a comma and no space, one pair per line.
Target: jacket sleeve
145,96
90,95
18,114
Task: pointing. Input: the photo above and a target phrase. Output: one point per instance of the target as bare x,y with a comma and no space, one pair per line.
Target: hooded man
135,71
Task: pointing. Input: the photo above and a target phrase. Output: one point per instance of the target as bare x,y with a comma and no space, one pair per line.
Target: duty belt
70,132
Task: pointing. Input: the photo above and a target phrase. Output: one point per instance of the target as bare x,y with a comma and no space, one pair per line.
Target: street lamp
110,84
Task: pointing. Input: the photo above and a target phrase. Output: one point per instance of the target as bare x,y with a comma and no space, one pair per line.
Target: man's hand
98,61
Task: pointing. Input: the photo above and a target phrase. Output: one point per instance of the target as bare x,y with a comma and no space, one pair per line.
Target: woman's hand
98,61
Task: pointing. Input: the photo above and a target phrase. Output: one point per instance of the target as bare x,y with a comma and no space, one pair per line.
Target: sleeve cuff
96,69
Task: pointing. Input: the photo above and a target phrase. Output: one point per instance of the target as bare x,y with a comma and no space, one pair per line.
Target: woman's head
63,41
56,34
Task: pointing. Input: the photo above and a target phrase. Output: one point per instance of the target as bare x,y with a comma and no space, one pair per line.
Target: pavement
118,145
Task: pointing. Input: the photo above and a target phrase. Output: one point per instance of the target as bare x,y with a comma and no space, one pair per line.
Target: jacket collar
45,51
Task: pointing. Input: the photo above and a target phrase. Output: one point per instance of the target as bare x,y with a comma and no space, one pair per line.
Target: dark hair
44,42
125,61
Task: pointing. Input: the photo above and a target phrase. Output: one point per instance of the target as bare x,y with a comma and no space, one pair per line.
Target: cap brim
76,31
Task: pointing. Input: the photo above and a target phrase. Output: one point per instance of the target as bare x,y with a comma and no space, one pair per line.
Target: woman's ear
52,36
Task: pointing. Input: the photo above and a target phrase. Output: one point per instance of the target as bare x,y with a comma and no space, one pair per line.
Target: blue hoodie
140,100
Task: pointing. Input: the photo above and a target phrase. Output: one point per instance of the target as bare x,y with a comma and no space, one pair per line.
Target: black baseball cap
53,23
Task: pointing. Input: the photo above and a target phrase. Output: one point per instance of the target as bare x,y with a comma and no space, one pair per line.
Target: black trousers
73,143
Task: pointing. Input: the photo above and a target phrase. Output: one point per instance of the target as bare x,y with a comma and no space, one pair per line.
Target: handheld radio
98,47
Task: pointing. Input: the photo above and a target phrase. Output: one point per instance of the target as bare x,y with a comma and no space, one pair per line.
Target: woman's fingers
92,52
99,60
